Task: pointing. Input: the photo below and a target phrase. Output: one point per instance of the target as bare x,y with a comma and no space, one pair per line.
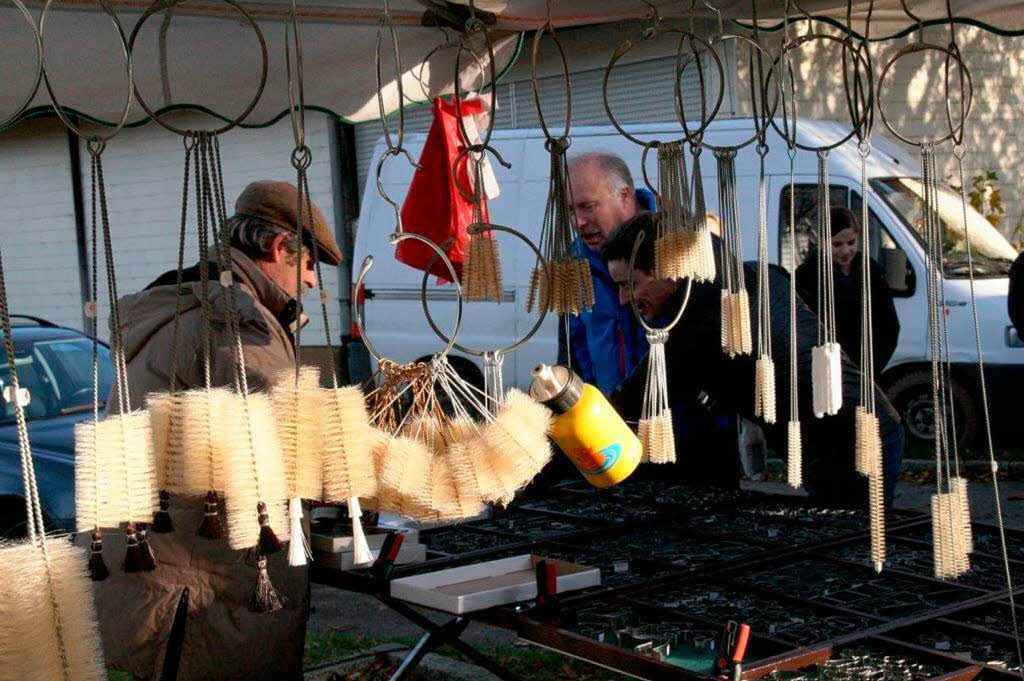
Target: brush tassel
361,554
211,528
298,547
98,570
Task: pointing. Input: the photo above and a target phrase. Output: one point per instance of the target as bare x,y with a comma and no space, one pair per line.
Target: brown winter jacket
223,639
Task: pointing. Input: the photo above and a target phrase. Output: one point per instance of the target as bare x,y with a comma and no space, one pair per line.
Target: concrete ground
342,611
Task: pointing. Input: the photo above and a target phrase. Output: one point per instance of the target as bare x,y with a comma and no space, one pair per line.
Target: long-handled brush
48,627
736,331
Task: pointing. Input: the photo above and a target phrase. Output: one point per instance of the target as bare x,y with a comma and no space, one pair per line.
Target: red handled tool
732,649
385,562
547,590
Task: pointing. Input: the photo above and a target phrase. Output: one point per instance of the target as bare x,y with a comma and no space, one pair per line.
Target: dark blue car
55,365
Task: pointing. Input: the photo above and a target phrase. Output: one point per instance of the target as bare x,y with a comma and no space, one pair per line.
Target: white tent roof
205,56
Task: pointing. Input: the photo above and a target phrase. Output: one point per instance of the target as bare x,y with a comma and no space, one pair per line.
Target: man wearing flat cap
223,638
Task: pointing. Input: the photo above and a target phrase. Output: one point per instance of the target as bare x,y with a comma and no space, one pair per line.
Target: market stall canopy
204,54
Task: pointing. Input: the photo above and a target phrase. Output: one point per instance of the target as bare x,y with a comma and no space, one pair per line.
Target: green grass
527,662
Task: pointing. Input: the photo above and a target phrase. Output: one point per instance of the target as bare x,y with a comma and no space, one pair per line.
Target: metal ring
386,21
161,5
478,149
39,65
437,48
395,239
859,96
477,229
640,236
858,60
536,85
58,109
653,144
922,47
678,86
486,139
623,49
958,132
761,127
392,151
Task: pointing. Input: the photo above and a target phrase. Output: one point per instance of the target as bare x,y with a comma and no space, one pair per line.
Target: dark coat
696,364
885,324
1015,296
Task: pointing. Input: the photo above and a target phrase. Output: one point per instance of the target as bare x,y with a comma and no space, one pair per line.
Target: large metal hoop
858,125
58,109
632,297
394,240
39,65
761,126
444,46
161,5
624,48
548,28
965,74
477,229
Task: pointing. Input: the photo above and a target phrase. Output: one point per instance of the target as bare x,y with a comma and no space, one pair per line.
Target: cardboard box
331,543
342,560
485,585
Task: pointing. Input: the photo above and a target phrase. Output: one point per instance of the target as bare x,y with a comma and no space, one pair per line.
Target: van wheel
911,395
13,522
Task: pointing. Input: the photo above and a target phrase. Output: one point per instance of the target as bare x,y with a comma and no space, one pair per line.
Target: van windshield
991,252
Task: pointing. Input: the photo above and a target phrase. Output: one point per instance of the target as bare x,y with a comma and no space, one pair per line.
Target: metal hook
535,83
632,296
448,44
392,151
478,229
394,240
297,114
493,89
475,149
386,22
916,19
717,12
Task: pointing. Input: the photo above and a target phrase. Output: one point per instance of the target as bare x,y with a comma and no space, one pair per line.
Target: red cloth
434,207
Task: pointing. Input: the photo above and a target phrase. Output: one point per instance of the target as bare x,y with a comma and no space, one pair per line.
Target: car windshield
991,252
58,375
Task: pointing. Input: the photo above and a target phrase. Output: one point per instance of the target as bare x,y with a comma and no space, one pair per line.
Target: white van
395,320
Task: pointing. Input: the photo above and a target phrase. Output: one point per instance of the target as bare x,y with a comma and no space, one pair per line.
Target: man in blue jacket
606,343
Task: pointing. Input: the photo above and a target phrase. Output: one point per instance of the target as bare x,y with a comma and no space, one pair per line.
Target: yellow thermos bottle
586,427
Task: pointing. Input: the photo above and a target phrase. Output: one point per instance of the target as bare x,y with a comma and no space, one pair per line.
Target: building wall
37,223
914,102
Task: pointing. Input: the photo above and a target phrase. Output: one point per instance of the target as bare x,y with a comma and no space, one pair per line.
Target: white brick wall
143,169
37,223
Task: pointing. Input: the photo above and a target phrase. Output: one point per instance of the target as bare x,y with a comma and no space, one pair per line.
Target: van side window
899,273
792,255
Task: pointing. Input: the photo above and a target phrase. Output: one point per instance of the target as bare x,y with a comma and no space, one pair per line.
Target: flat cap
276,202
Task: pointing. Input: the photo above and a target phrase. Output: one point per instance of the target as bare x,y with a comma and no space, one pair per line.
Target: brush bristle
794,459
198,440
115,473
29,646
764,388
158,406
403,484
349,465
253,469
298,411
949,548
516,445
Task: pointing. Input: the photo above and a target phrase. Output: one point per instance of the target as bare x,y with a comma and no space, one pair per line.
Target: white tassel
298,547
360,549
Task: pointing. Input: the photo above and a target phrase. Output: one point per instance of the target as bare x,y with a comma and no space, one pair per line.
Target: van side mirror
899,275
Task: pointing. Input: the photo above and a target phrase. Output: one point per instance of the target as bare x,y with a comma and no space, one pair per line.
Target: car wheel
911,395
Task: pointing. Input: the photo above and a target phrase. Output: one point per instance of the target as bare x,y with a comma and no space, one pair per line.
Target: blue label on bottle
603,459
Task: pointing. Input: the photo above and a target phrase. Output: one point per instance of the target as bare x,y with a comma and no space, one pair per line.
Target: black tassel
265,597
97,567
133,561
269,543
211,528
162,520
146,558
